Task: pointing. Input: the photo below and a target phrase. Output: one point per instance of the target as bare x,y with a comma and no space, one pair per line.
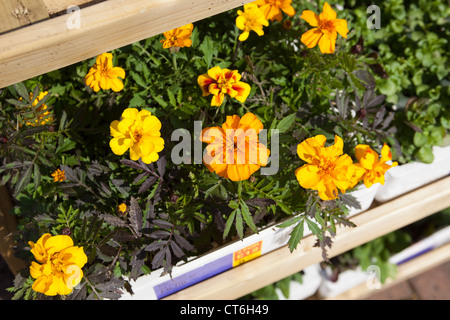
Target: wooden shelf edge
405,271
280,263
50,45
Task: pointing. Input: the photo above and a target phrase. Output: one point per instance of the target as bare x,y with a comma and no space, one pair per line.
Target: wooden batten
55,43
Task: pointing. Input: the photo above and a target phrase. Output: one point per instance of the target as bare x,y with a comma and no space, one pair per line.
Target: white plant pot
364,196
157,286
407,177
347,280
352,278
311,280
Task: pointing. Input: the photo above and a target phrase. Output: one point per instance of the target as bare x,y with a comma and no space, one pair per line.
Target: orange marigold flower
234,151
60,262
138,131
219,82
327,169
59,175
251,19
178,37
327,26
374,166
103,75
272,8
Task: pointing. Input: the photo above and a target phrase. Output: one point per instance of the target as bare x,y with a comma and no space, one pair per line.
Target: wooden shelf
405,271
280,263
46,43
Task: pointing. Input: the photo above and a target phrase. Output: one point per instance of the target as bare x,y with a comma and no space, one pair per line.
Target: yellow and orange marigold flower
374,166
178,37
44,115
59,175
220,82
327,26
103,75
272,9
59,267
327,169
251,19
234,151
138,131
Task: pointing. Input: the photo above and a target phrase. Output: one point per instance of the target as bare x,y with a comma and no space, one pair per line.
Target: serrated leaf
260,202
147,184
158,259
155,245
183,243
314,228
159,234
36,176
23,181
133,164
296,235
22,91
229,223
162,223
176,249
247,216
135,217
239,224
286,123
114,221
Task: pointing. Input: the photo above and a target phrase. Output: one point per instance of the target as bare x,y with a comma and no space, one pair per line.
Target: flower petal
327,12
120,145
327,42
58,243
308,176
341,27
242,89
130,113
311,37
311,17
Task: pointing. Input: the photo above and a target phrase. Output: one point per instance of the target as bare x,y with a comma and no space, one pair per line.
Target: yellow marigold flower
178,37
251,19
122,208
374,166
43,117
326,29
219,82
327,169
272,8
103,75
59,175
138,131
234,151
60,265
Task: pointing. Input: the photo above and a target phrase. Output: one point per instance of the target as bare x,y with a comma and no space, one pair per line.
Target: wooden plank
61,6
17,13
405,271
281,263
52,44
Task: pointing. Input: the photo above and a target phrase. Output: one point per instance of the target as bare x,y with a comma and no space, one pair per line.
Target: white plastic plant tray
156,286
351,278
311,281
437,239
412,175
